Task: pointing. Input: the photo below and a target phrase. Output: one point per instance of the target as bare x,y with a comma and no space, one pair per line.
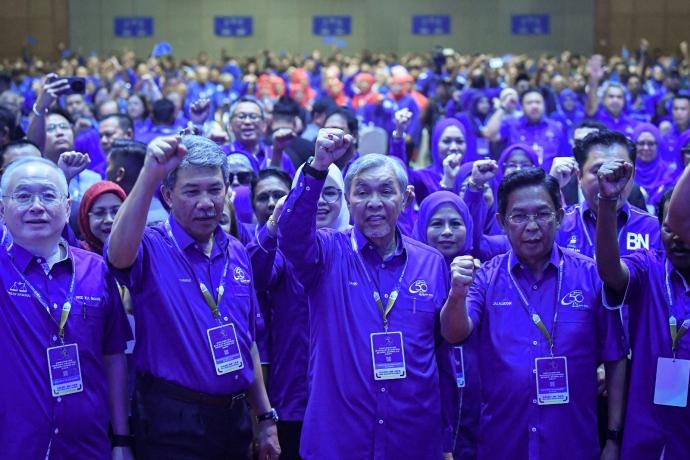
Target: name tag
552,380
459,361
225,350
672,377
388,356
64,370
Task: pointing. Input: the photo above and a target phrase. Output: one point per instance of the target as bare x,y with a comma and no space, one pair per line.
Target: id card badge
552,380
64,370
672,377
459,362
388,356
225,350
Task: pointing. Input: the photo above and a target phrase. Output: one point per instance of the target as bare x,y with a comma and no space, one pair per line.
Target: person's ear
559,216
120,174
68,209
167,195
408,197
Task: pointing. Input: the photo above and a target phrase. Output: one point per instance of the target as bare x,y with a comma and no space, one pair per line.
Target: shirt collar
524,122
672,270
364,244
184,240
554,258
22,257
586,211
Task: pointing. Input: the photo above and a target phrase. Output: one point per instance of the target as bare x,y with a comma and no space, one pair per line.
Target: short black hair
163,112
286,108
57,110
9,120
323,104
591,124
350,119
530,90
526,178
604,138
684,96
247,98
270,172
15,144
665,198
123,120
129,153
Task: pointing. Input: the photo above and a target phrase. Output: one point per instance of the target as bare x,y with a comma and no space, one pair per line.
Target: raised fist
331,144
462,271
162,156
613,176
563,169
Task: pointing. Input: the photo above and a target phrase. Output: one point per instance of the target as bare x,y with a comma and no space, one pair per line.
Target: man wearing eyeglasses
63,329
542,333
248,125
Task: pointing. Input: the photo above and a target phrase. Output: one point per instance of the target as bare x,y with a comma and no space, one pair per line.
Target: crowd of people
428,256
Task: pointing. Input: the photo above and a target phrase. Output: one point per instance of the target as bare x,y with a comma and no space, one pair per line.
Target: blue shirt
512,424
172,316
31,419
350,415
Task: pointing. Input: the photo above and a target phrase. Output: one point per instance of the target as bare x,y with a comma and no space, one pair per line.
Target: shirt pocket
417,316
86,325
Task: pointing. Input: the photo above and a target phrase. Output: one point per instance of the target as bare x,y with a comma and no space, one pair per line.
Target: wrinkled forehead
375,177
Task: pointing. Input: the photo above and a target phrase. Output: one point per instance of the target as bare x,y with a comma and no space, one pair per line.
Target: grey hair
376,160
239,159
22,161
611,84
251,100
202,153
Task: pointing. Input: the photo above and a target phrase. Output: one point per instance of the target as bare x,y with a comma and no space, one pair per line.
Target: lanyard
210,301
676,334
589,238
532,312
66,306
392,297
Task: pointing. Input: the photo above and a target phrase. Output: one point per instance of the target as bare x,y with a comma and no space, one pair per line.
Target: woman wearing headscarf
652,174
277,285
475,120
97,212
300,88
569,111
446,225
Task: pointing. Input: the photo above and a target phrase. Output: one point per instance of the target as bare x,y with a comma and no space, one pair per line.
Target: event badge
64,369
388,355
552,380
672,377
224,349
459,362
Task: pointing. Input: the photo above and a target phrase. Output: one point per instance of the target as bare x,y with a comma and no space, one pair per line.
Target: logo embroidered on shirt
352,283
574,299
240,276
421,288
636,241
18,289
185,280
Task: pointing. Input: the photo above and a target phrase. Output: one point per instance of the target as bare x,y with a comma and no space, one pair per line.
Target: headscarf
299,81
656,175
342,222
91,243
428,208
242,200
507,152
436,162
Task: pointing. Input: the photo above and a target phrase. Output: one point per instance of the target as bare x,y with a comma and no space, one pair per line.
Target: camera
77,85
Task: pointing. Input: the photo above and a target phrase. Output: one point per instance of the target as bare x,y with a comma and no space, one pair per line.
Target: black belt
174,391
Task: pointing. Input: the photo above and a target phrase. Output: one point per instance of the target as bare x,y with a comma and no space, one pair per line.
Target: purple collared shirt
624,124
31,419
636,230
671,139
288,332
172,316
650,426
350,415
425,181
262,158
512,424
547,137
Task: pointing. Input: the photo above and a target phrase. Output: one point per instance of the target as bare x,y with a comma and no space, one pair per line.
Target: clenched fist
331,144
462,271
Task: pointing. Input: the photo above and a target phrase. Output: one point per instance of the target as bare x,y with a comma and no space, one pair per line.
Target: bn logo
636,241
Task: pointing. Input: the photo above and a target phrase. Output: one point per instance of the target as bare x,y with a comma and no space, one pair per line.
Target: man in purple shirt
374,299
62,328
679,211
636,229
611,112
248,125
546,136
194,306
656,286
542,332
681,123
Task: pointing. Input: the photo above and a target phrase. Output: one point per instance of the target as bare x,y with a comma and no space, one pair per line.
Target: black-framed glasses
102,213
265,197
544,217
331,194
242,177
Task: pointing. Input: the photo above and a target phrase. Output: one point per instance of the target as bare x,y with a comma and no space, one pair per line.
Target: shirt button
534,429
385,295
301,184
237,377
308,188
54,306
535,287
383,390
54,338
534,371
534,401
39,260
59,400
535,343
383,265
380,421
289,210
50,277
225,318
56,431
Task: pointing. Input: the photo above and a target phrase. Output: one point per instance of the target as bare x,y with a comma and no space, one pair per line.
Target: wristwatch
313,172
615,435
270,415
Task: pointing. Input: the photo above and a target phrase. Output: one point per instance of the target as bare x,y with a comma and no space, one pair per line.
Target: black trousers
289,434
172,429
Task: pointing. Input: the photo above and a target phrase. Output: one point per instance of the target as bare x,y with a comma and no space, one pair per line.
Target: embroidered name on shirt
636,241
185,280
502,303
420,288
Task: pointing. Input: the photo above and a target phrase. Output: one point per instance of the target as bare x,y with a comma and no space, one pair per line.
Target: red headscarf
299,82
370,97
91,243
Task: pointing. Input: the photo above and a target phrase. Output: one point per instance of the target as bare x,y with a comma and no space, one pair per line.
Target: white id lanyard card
672,376
459,362
552,380
225,350
388,356
64,370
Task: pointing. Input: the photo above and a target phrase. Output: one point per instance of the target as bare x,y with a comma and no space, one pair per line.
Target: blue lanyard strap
536,319
392,297
66,306
205,292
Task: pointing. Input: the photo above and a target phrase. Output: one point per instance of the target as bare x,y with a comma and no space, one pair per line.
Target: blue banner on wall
431,25
530,24
133,26
233,26
325,26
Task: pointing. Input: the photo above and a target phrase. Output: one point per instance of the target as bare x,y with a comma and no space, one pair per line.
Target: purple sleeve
504,131
117,331
297,236
476,297
612,342
450,404
397,149
478,211
267,266
130,277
